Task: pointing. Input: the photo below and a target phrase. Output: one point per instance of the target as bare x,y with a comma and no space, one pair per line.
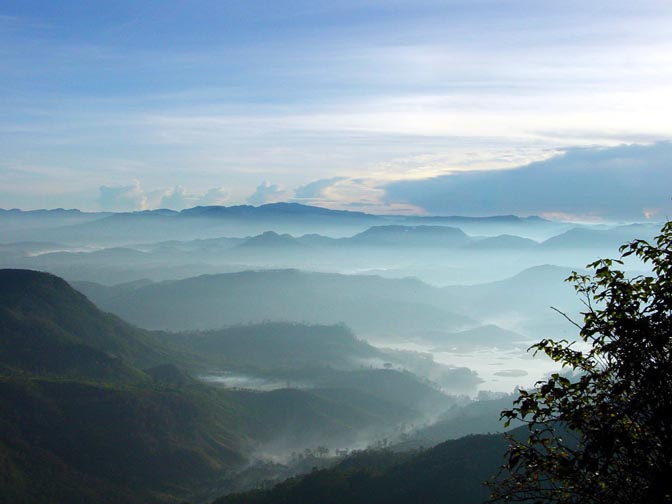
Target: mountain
453,471
411,236
271,240
602,239
532,227
82,422
15,220
80,441
393,386
317,417
523,302
203,222
200,222
366,303
279,345
488,336
503,242
530,291
109,256
475,417
272,209
48,327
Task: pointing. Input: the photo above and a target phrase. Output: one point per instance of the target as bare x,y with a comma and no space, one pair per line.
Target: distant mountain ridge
273,208
120,228
605,239
399,235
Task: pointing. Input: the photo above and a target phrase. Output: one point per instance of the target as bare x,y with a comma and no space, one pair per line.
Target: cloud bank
134,197
628,182
621,183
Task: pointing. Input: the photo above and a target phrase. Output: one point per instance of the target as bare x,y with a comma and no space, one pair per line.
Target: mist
329,333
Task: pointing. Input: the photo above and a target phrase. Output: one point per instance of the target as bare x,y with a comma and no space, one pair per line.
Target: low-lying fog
501,369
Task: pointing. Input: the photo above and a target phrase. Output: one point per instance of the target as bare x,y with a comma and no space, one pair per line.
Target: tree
603,432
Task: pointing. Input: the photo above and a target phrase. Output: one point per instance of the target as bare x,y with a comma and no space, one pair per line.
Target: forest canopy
601,433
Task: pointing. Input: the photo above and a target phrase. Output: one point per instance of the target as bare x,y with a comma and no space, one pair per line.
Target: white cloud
122,198
174,199
267,193
214,196
178,198
315,190
346,193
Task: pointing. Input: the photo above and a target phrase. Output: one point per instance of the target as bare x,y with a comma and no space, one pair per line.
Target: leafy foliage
603,434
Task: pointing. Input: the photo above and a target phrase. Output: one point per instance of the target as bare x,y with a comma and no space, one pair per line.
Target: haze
240,241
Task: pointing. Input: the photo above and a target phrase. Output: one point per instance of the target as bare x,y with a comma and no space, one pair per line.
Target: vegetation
449,472
277,345
71,440
603,434
93,409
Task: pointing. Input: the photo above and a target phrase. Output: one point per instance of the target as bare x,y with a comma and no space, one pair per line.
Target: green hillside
135,442
95,410
49,328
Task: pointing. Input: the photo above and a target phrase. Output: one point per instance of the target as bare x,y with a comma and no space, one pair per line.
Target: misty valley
213,353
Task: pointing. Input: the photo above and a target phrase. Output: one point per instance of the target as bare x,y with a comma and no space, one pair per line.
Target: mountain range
73,226
96,410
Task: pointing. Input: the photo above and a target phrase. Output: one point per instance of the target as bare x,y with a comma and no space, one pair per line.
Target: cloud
178,198
349,193
627,182
214,196
122,198
316,189
174,199
267,193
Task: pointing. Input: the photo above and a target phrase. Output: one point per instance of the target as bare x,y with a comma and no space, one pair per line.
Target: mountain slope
272,240
600,239
411,236
139,439
74,403
278,345
48,327
79,422
364,303
453,472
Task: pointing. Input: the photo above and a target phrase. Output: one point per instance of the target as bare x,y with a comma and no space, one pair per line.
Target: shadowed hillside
453,472
365,303
76,402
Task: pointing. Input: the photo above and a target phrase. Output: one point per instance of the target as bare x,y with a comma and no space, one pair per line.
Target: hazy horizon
568,219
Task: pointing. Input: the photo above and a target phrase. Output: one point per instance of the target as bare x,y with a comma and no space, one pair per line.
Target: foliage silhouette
603,433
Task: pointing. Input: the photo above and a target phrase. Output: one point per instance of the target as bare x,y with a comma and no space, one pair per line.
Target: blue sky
351,104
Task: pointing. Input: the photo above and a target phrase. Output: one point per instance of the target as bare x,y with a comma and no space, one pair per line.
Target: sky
391,106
